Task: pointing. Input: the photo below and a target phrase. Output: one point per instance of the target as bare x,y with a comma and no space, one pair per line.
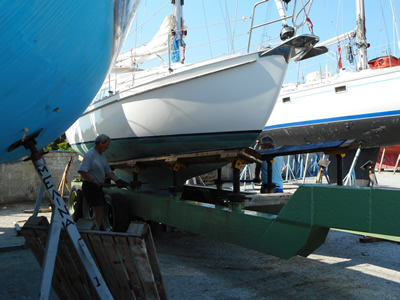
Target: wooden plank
220,155
75,278
151,250
116,264
267,199
138,249
130,267
127,261
36,238
58,287
103,262
33,243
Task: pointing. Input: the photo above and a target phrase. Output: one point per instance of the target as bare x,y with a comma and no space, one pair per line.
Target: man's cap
267,140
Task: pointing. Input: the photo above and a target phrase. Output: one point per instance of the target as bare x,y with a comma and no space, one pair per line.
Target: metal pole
351,170
305,167
383,155
339,163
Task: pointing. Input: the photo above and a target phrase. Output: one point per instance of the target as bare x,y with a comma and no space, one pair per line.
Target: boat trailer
300,226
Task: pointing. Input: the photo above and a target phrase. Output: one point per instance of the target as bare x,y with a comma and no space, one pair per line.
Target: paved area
195,267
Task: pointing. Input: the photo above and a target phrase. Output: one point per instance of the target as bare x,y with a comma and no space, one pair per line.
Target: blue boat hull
55,56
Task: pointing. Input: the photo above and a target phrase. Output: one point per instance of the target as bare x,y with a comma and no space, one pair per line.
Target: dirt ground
195,267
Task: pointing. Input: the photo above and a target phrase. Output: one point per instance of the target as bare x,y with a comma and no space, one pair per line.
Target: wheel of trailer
87,211
116,215
75,202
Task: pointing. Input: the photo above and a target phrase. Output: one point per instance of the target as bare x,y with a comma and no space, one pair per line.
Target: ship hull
364,106
219,104
200,109
56,55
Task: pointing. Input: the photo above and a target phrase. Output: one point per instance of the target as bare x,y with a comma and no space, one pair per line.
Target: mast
178,44
361,36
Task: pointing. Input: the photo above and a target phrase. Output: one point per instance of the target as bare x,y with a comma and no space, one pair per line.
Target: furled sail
157,46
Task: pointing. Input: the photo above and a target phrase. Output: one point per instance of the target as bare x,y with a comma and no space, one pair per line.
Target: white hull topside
362,105
216,97
225,96
218,104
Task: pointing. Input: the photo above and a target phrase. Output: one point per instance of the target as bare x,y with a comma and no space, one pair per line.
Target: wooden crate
127,261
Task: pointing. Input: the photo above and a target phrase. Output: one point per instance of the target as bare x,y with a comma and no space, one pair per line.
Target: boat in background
362,105
389,158
179,108
56,55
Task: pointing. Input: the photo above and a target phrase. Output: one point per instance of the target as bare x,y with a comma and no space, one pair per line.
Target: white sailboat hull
216,105
219,104
362,105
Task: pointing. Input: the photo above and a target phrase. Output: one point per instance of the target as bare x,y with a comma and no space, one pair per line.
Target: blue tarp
175,52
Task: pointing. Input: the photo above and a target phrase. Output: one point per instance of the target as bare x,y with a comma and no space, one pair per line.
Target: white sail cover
157,46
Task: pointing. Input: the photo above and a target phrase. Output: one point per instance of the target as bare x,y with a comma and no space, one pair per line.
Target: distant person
93,170
278,166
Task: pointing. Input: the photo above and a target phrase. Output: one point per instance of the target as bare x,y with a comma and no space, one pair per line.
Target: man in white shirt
94,170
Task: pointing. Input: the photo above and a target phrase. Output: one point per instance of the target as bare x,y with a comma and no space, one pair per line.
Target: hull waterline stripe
189,135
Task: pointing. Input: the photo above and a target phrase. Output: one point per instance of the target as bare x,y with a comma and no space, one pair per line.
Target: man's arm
90,178
112,176
118,181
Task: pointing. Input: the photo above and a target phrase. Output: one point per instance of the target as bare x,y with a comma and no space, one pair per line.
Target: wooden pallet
127,261
248,155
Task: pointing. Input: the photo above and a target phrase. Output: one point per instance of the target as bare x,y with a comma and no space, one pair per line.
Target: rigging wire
395,26
208,33
229,25
264,30
226,22
307,18
337,18
384,25
234,26
149,18
219,23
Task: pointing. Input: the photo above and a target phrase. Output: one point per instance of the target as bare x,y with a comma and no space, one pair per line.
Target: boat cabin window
339,89
286,99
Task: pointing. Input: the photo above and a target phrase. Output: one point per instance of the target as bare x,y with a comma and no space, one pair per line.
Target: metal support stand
290,168
323,164
350,178
236,200
176,189
305,167
247,175
382,157
339,166
38,200
60,217
270,186
397,163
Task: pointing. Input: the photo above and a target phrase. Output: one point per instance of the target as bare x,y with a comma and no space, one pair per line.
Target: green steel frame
301,226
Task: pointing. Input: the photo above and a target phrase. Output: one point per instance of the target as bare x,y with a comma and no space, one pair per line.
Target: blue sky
329,18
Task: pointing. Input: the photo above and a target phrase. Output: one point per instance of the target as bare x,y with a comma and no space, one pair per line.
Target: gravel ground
194,267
